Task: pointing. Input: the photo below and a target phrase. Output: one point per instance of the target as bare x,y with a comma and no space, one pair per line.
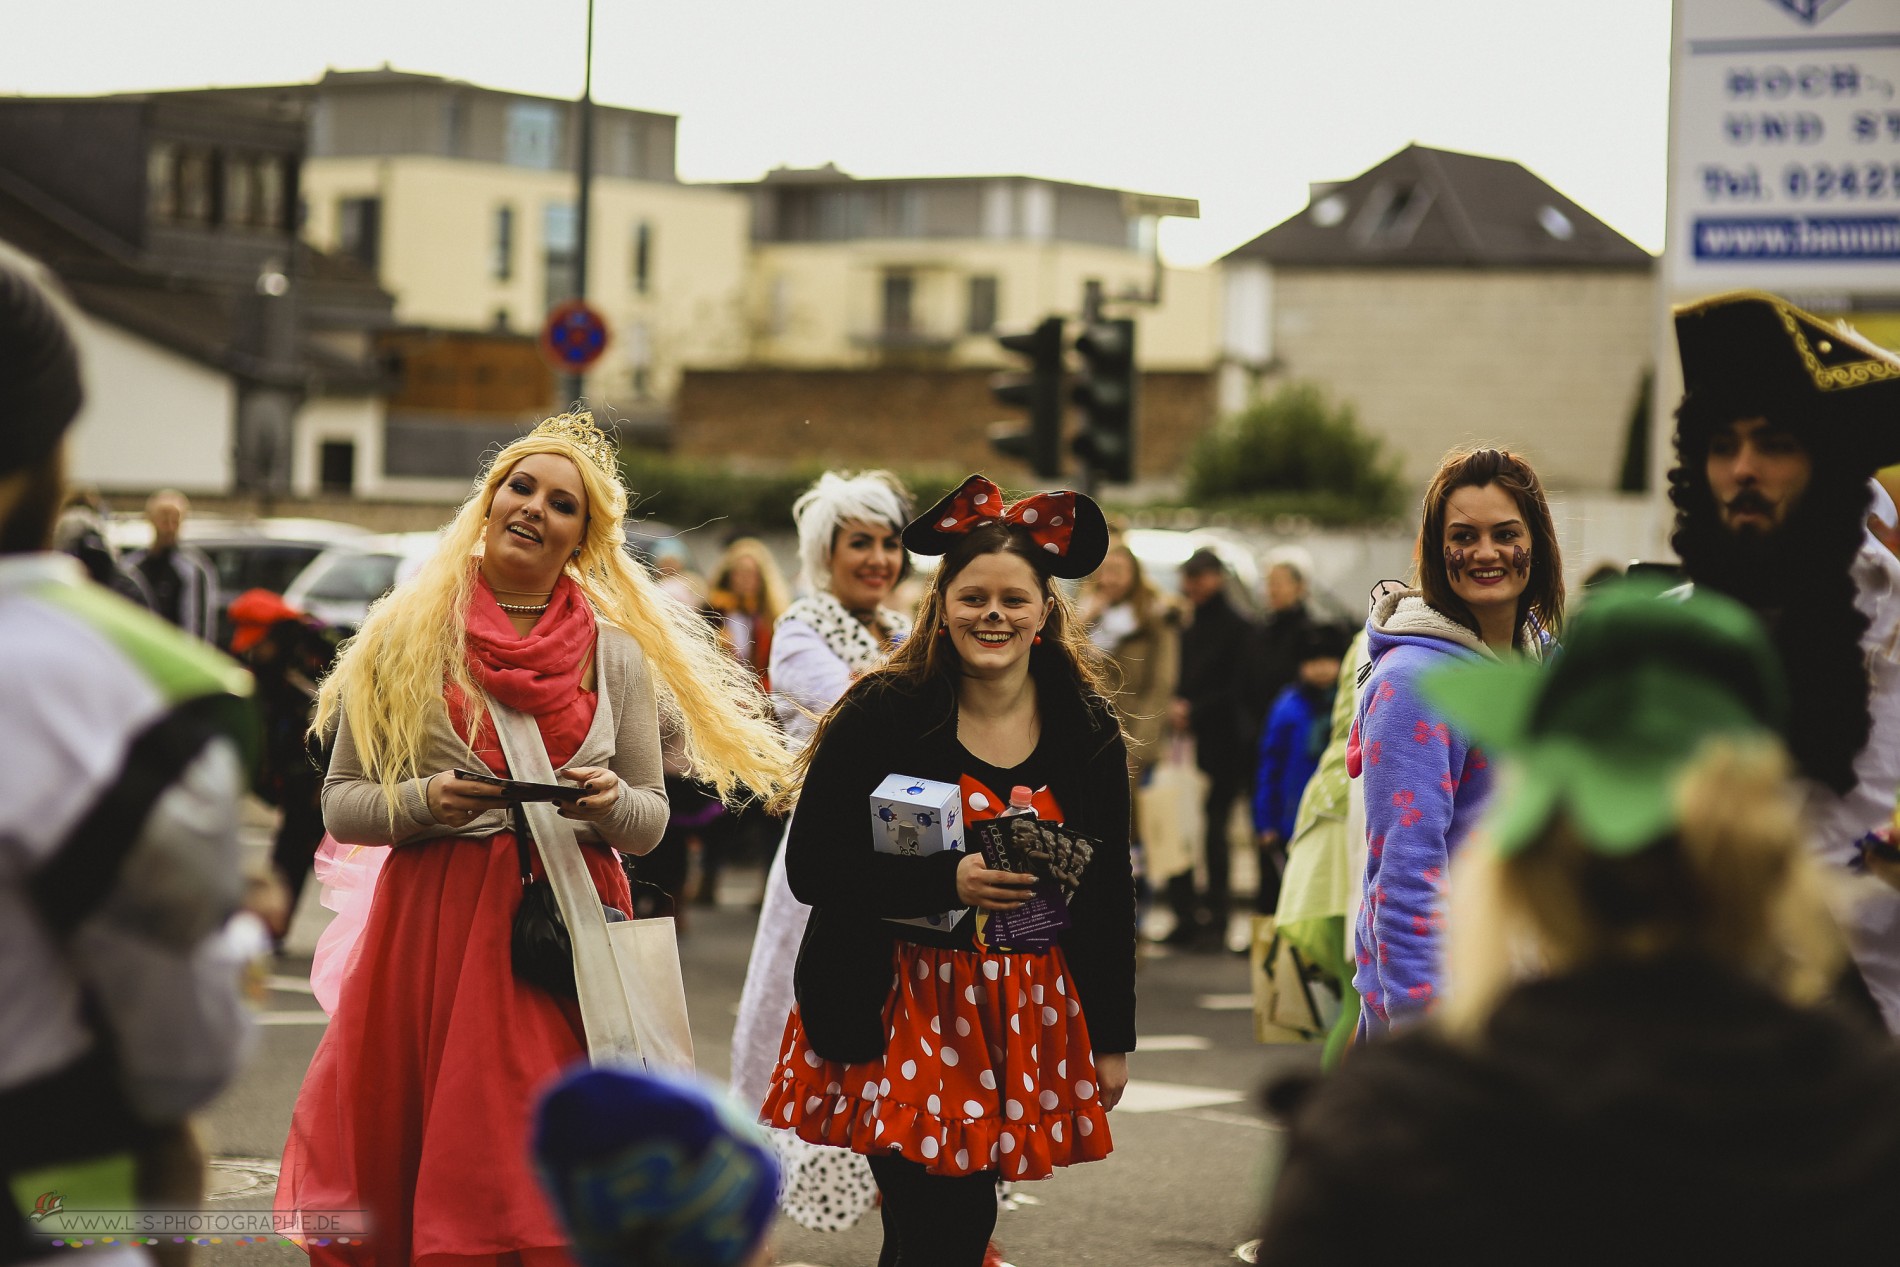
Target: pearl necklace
521,610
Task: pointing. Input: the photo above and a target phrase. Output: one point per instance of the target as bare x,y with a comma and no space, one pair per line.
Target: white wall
356,420
152,419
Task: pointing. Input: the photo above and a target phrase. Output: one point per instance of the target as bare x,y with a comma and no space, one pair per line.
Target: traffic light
1106,394
1040,393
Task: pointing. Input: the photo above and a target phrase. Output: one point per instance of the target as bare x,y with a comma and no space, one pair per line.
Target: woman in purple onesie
1490,583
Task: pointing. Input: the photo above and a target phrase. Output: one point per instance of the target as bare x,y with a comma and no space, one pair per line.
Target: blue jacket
1296,733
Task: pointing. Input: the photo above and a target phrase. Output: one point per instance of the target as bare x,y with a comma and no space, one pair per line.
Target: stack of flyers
1048,851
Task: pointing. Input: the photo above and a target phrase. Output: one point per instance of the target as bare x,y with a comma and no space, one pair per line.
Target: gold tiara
578,429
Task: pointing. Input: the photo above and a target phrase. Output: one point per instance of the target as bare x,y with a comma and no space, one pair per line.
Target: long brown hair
1543,596
1062,661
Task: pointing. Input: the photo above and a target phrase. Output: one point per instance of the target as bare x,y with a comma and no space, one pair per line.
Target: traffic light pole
585,193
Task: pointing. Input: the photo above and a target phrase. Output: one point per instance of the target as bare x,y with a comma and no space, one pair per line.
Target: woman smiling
1490,583
950,1058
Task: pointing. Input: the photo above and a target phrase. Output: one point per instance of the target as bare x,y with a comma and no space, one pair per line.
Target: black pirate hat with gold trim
1752,353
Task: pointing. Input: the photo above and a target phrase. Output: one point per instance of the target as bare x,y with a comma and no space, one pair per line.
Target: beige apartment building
849,272
873,308
1451,299
463,199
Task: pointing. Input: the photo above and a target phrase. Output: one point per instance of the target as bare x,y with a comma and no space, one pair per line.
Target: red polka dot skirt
988,1067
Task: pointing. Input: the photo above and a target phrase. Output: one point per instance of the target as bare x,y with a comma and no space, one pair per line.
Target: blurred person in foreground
1784,418
119,1013
851,557
1296,732
1490,587
419,1098
181,581
1627,1067
1214,702
651,1171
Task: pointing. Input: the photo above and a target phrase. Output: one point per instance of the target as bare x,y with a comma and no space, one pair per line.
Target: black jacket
1217,681
843,978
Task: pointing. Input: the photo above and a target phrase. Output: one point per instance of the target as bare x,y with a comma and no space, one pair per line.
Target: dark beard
1757,569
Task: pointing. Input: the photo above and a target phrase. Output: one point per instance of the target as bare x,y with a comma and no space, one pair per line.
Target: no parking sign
575,335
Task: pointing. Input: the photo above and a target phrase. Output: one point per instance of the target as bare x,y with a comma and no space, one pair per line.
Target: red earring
943,631
1036,641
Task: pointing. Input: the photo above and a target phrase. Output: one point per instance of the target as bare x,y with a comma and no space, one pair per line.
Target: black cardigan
881,727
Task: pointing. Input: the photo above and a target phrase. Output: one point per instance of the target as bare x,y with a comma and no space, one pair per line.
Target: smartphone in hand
520,790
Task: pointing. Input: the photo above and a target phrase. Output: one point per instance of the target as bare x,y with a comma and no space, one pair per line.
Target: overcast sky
1238,104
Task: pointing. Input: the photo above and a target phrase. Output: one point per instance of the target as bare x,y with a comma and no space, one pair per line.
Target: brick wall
897,417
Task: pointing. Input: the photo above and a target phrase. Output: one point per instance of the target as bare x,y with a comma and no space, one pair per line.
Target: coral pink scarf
539,673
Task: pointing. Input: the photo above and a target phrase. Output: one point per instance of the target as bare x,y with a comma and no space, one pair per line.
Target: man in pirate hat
1783,420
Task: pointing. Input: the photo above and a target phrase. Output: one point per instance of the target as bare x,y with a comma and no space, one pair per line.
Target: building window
161,182
534,135
900,290
270,193
501,264
981,316
559,239
360,230
336,466
240,190
193,178
642,257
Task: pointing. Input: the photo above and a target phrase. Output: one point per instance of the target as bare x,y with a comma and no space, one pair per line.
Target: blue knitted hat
651,1171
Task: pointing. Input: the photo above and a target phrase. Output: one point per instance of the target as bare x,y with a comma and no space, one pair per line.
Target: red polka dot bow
1049,517
1068,526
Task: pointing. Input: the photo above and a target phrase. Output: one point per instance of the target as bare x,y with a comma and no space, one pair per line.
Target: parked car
246,553
338,585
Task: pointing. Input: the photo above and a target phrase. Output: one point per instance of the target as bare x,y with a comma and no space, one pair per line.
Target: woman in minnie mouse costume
949,1062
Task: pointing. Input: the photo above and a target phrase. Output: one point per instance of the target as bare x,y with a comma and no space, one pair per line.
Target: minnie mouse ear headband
1067,526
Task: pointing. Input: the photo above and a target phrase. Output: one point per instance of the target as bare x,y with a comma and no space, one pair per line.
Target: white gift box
918,817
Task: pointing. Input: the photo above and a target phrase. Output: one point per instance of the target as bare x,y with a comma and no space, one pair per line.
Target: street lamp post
584,195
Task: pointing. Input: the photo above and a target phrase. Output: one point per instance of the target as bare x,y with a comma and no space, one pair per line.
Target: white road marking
1227,1002
293,985
307,1016
1143,1096
1171,1042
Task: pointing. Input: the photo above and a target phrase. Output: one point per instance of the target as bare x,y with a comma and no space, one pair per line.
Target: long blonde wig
389,679
1735,885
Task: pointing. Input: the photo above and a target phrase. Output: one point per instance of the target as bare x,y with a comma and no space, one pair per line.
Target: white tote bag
1169,813
632,994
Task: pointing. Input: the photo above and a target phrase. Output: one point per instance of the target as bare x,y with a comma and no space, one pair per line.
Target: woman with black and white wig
851,558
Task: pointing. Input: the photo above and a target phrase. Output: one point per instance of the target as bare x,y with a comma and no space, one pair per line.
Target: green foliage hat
1602,735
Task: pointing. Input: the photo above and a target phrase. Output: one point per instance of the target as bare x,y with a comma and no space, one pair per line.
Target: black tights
933,1220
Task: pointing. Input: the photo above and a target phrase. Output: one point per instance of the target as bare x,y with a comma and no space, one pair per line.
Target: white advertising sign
1785,147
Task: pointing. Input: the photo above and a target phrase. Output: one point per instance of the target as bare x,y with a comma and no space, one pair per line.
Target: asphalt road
1192,1150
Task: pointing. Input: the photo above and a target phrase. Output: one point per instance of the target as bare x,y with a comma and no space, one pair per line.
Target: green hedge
1294,454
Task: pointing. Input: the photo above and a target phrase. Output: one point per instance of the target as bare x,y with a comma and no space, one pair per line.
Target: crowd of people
1608,897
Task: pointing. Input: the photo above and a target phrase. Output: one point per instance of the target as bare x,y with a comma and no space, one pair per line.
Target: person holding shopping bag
978,1048
531,618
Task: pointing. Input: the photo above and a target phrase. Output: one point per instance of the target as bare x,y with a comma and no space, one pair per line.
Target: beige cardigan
624,738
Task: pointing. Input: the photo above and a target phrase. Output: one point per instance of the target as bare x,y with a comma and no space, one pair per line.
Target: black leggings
933,1220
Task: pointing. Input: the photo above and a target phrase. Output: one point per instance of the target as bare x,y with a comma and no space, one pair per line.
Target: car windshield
358,578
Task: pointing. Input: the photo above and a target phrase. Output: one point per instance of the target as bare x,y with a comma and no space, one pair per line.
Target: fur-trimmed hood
1403,616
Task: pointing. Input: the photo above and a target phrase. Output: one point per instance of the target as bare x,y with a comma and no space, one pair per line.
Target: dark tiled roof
1426,208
